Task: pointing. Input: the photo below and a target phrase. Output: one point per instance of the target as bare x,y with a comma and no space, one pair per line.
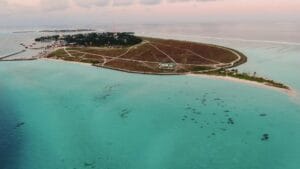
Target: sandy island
128,53
290,92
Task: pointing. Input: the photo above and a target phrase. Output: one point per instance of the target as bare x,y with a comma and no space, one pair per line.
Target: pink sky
146,10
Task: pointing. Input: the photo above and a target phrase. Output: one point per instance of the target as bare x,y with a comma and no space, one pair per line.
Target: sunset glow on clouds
89,11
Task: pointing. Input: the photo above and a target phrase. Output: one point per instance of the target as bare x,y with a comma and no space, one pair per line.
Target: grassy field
158,56
155,56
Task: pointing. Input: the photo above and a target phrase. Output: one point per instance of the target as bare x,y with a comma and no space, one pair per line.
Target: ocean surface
59,115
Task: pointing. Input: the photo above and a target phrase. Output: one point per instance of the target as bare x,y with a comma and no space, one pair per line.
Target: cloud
90,3
59,5
51,5
122,2
150,2
99,3
3,2
190,0
3,7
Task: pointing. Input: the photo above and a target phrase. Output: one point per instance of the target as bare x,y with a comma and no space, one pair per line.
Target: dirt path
69,54
163,52
239,57
133,60
215,65
123,54
86,53
211,60
198,55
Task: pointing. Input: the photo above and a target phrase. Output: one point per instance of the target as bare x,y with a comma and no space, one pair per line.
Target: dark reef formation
10,136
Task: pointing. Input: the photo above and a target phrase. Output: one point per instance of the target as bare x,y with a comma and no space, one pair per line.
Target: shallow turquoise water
64,115
56,115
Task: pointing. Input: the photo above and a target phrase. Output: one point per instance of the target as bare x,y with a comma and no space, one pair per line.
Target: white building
169,66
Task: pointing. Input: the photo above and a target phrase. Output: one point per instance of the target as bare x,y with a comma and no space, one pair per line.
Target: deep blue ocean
60,115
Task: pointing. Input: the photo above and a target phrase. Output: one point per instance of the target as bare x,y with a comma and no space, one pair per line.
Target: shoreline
217,72
289,92
112,68
60,60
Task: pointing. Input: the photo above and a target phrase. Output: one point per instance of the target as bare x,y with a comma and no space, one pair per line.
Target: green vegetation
60,53
250,77
68,30
201,68
153,56
47,38
95,39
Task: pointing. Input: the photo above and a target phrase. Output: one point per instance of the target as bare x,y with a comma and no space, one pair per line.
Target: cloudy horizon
58,12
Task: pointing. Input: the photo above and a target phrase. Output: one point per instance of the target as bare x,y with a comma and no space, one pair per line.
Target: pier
13,54
4,58
21,59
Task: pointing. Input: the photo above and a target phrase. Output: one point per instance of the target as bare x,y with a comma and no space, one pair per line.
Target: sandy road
164,53
217,64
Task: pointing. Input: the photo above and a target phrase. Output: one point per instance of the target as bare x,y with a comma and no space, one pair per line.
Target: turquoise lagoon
59,115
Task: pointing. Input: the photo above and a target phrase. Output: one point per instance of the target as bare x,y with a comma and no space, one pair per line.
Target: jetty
7,57
12,54
21,59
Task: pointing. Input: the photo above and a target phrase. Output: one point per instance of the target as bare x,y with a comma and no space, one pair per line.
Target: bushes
47,38
96,39
246,76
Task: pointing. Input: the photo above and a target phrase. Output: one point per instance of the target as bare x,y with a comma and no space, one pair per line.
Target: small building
169,66
72,44
61,37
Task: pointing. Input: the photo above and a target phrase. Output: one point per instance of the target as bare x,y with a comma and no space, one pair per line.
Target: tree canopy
96,39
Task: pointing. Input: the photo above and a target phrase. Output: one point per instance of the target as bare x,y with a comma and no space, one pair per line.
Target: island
66,30
23,32
124,51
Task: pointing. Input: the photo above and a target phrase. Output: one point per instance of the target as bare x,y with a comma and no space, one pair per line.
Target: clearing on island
126,52
151,55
